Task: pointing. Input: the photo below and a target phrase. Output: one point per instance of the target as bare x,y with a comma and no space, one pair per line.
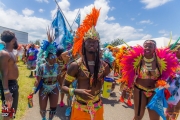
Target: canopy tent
161,42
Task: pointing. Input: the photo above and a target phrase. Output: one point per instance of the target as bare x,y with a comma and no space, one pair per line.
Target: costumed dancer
108,57
24,56
115,51
146,69
173,109
47,77
126,92
61,65
68,58
88,70
31,58
20,51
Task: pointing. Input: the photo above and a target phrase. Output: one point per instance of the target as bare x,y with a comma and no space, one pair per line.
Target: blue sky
126,19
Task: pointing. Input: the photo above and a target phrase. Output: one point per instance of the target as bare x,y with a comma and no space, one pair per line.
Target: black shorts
13,88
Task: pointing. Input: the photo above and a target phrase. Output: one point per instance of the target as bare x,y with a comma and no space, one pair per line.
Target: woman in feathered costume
124,89
145,69
47,77
174,81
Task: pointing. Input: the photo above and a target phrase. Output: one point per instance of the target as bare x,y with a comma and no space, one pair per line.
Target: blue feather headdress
105,44
108,57
46,47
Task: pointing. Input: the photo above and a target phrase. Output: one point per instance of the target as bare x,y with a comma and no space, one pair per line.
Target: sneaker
129,103
68,112
121,99
61,104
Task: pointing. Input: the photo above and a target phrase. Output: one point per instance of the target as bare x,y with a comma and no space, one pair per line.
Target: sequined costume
134,69
46,75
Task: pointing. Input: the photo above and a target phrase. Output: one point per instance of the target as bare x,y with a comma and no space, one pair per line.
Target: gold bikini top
143,73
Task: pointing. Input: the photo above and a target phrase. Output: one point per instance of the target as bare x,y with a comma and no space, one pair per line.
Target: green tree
116,42
37,42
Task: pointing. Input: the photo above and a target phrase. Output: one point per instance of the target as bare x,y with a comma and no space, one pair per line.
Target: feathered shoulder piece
86,30
108,57
167,62
130,63
122,51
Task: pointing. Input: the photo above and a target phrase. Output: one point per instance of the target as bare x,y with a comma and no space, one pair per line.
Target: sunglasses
52,57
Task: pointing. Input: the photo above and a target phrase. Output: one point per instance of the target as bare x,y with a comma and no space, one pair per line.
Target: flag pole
170,39
125,43
75,18
63,15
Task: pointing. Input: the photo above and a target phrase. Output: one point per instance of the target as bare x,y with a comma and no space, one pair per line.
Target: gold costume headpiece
86,30
92,33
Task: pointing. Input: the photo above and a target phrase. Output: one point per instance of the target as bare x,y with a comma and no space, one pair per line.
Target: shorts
13,87
31,64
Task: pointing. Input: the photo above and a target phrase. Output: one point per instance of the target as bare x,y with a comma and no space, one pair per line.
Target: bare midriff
147,83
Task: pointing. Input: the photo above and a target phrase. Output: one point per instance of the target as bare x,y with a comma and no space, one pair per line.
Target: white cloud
27,12
112,8
164,33
46,1
36,27
132,19
146,22
146,37
110,18
41,10
154,3
108,31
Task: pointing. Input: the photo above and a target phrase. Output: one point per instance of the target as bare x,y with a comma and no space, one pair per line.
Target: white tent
161,42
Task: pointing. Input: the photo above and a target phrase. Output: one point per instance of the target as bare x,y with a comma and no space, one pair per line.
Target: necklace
148,63
91,63
148,60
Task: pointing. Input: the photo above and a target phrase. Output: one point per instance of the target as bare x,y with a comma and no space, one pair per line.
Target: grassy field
25,88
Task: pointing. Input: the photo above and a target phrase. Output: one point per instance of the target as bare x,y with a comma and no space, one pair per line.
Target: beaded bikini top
45,73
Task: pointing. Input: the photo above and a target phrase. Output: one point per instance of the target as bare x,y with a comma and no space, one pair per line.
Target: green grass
25,88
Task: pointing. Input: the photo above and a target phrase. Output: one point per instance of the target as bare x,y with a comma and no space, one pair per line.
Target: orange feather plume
89,21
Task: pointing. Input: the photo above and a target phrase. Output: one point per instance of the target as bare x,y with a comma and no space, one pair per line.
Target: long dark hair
97,63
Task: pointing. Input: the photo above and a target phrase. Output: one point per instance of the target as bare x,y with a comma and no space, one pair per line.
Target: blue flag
63,37
59,26
78,19
158,102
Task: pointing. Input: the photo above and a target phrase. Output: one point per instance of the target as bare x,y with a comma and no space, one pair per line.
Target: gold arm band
69,78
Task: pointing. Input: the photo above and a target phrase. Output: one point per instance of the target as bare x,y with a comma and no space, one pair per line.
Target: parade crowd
86,71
